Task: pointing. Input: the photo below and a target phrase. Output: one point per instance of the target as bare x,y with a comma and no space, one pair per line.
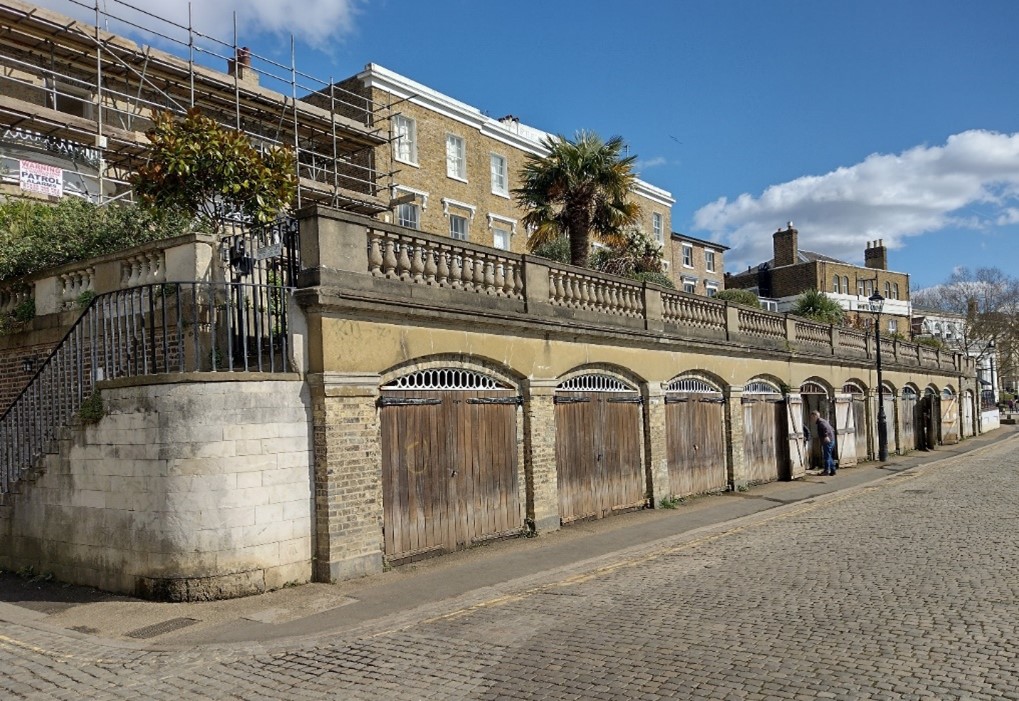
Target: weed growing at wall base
92,409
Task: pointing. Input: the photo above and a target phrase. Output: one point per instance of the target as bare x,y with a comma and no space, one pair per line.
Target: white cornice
492,218
447,203
411,191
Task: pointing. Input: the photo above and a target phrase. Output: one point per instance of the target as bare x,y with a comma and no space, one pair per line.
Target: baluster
455,270
442,272
374,256
518,280
390,262
430,267
403,262
489,275
556,286
479,272
500,279
417,265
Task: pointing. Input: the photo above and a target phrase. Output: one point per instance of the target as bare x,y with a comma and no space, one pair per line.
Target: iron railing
173,327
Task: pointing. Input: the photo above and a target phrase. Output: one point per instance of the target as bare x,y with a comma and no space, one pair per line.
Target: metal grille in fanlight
852,388
594,383
691,384
908,393
446,379
760,387
812,388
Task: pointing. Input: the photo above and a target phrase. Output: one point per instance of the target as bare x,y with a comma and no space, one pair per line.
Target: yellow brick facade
437,195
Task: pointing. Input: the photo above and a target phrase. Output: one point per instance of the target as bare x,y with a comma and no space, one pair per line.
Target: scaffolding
87,96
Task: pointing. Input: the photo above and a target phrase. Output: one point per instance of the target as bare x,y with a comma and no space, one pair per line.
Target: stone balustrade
341,250
696,312
397,255
180,259
593,292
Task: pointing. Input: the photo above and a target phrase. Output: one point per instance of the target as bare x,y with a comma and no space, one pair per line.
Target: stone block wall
182,491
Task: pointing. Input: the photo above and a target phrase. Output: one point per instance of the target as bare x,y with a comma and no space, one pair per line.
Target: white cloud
649,163
972,181
314,22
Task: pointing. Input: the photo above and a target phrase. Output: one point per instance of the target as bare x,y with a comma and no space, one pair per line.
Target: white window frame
405,131
711,288
893,326
709,260
406,208
497,222
466,227
656,228
689,282
502,230
502,191
687,255
456,157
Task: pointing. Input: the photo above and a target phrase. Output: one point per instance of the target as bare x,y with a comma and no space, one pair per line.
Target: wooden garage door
765,444
845,430
598,448
858,402
449,463
695,436
949,417
908,411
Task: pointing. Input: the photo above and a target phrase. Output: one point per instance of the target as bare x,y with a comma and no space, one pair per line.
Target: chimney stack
241,66
876,255
786,245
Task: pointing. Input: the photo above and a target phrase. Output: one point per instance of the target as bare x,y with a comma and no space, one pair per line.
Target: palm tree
818,306
580,190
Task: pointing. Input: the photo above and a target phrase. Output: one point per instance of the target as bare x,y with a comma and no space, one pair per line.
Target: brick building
696,265
454,168
792,271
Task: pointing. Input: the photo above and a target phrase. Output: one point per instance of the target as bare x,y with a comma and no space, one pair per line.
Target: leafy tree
988,300
37,235
635,256
557,249
818,306
581,189
202,168
738,296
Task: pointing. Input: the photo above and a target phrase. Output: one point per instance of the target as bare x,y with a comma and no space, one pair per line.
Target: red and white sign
44,179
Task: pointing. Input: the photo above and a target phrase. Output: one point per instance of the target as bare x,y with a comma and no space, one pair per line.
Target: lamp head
877,302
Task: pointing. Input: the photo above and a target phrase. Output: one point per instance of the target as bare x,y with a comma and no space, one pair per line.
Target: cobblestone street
900,589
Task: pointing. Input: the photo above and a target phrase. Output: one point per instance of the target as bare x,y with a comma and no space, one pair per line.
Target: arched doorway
815,397
449,462
695,436
599,451
766,433
929,419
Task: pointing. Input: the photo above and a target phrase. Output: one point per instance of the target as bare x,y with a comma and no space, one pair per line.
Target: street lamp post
877,303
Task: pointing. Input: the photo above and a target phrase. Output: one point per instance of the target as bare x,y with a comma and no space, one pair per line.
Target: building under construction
76,101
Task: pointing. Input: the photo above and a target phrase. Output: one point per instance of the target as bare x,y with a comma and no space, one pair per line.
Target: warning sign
44,179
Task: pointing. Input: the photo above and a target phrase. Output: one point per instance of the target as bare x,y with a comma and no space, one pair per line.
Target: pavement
313,611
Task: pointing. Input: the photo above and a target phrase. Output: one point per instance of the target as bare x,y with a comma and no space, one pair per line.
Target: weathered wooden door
765,443
967,415
908,416
858,401
949,417
797,451
449,468
845,430
695,437
598,448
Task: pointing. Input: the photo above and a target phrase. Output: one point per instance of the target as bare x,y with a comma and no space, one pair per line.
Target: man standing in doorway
824,433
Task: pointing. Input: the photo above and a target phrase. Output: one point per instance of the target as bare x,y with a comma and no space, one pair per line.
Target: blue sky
855,120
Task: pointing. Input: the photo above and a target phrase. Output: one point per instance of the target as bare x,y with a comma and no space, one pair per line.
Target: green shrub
92,409
738,296
655,278
817,306
557,249
39,235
